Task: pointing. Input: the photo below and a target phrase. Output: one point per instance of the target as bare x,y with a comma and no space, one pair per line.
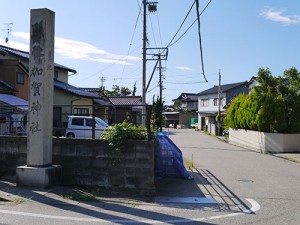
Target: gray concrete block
42,177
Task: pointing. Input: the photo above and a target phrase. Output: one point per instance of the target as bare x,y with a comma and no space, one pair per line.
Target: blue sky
104,38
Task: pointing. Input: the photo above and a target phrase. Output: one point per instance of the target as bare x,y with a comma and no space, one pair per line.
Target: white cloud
72,49
277,16
183,68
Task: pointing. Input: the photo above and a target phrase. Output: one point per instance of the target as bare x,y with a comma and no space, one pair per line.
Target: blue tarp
169,160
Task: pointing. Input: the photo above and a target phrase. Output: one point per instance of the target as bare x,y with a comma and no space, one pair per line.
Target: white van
82,127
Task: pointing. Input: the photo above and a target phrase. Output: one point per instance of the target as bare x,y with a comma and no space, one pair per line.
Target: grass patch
206,132
189,164
80,196
293,160
18,201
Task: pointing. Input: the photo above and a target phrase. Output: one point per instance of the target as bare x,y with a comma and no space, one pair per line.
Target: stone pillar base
42,177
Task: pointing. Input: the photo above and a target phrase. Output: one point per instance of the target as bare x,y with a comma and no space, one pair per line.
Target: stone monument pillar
39,170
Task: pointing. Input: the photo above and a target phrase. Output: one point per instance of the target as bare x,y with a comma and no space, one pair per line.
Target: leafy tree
273,105
134,89
125,91
157,110
117,91
295,116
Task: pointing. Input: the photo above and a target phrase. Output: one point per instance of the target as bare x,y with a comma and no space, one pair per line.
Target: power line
135,26
190,25
105,68
159,29
199,82
181,25
200,41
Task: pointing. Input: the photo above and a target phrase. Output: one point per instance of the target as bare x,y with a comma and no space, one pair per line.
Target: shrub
273,105
118,134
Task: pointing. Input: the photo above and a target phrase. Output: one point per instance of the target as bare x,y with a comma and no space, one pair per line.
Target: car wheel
71,135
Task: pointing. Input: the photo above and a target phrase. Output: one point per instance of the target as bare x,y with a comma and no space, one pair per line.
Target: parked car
82,127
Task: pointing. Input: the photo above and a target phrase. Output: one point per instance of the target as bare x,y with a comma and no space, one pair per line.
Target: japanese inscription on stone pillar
41,78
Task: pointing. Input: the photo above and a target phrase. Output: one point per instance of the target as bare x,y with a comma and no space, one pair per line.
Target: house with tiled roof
125,108
185,105
187,101
68,99
208,101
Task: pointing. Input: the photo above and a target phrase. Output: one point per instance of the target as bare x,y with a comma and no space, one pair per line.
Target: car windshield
103,123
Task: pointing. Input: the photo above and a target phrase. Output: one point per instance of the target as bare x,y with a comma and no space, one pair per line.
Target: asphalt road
272,182
249,188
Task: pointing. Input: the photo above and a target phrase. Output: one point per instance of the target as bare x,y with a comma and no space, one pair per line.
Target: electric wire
200,39
190,25
159,31
107,67
152,30
181,24
199,82
156,86
130,45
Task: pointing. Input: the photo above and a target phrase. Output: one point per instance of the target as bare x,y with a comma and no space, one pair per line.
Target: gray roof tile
74,90
125,100
224,88
25,55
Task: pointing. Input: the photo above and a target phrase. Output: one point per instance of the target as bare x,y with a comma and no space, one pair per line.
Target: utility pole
160,90
151,8
102,79
144,64
219,105
8,29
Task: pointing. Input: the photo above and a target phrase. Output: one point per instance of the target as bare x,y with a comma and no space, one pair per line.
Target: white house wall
211,109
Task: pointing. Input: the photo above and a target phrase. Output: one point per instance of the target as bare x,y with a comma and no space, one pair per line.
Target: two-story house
185,107
208,101
68,99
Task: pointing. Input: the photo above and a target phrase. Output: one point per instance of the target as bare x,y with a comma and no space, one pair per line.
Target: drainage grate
246,181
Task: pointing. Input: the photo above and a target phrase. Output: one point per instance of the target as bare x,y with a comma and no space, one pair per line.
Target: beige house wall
67,102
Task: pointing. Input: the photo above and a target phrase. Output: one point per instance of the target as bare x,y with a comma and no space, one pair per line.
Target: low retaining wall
85,162
265,142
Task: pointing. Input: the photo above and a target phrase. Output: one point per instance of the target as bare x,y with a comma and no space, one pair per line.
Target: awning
14,101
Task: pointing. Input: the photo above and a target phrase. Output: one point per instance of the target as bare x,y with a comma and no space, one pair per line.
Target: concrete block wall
86,162
265,142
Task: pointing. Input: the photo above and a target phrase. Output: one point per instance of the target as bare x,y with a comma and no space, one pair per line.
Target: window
89,122
192,105
81,111
204,102
215,101
77,121
55,75
20,78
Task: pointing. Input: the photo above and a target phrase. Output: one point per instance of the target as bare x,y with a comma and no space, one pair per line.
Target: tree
117,91
273,105
157,110
125,91
134,89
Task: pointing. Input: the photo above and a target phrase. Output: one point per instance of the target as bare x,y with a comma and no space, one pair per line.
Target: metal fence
14,119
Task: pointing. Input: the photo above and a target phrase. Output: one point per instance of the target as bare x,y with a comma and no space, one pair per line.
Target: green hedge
272,106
